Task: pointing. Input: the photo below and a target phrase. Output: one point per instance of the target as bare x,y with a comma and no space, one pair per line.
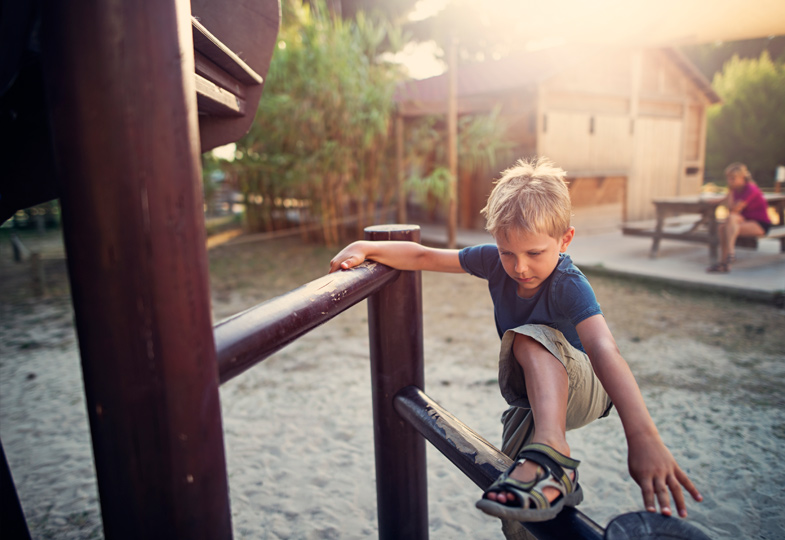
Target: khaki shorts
587,399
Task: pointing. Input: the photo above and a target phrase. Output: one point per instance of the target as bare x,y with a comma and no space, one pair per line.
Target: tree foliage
323,121
749,126
710,57
482,146
393,10
320,145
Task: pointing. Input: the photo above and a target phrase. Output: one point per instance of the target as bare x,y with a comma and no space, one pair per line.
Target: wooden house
627,125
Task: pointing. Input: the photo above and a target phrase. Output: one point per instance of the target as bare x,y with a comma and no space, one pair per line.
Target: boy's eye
535,253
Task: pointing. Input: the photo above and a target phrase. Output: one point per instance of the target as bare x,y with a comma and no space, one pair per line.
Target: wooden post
399,167
120,86
38,278
11,514
396,343
452,143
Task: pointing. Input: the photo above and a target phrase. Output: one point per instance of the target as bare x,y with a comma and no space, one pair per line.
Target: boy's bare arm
650,462
400,255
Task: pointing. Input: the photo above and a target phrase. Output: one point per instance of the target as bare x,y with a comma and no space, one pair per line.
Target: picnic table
696,221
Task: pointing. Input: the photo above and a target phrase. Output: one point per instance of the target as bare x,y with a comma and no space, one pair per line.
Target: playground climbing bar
480,461
396,342
253,335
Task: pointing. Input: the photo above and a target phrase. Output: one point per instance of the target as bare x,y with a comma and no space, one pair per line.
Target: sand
298,427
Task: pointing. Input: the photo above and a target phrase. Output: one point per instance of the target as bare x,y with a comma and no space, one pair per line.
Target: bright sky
420,59
225,152
426,8
542,23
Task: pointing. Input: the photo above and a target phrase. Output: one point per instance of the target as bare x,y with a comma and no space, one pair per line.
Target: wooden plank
649,233
221,55
249,29
214,100
214,73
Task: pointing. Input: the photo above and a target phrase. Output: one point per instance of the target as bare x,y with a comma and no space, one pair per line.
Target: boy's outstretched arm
650,462
400,255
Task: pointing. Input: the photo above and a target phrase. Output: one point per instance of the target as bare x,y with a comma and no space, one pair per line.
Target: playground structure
135,90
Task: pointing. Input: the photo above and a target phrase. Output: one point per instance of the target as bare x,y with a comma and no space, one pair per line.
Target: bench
775,233
689,228
685,227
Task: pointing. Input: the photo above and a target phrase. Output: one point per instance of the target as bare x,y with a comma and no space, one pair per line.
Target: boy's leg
586,399
519,423
722,231
517,433
517,430
547,387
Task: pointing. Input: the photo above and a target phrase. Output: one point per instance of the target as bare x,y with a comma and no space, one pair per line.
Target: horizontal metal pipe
253,335
481,461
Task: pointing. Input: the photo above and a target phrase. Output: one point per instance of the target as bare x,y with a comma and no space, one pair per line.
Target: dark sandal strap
720,267
554,462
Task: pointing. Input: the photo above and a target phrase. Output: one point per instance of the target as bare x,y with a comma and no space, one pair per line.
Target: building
628,125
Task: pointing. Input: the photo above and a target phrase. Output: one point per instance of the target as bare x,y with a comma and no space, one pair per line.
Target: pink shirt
757,207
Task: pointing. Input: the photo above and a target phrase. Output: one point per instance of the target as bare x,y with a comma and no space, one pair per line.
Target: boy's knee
527,350
524,347
524,342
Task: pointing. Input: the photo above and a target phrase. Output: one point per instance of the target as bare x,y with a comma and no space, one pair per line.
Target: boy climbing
559,366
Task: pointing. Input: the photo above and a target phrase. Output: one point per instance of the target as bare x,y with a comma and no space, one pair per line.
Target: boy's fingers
648,497
689,486
663,497
340,262
678,496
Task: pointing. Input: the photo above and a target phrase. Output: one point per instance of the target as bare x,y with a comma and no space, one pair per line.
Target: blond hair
531,196
737,167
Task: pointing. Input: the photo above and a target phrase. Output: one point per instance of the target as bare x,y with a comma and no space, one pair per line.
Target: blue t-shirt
564,300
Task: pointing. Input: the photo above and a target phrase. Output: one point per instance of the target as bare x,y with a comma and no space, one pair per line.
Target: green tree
321,130
710,57
749,126
482,146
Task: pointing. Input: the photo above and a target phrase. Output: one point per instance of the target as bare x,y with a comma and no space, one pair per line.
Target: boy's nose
521,266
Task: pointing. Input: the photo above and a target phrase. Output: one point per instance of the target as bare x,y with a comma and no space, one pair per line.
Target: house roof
484,79
492,76
692,73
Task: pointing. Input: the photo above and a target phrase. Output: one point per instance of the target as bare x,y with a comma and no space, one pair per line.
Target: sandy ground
298,427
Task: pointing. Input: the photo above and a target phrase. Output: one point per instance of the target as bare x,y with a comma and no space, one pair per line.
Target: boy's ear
566,239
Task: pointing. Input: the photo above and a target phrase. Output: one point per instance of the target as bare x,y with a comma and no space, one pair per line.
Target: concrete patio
757,275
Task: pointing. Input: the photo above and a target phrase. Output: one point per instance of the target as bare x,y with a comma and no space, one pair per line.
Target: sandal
530,504
719,267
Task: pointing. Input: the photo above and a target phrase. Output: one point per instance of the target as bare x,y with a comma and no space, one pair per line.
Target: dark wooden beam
396,346
120,86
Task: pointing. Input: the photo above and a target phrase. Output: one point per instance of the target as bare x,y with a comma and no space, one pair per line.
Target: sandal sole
530,515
